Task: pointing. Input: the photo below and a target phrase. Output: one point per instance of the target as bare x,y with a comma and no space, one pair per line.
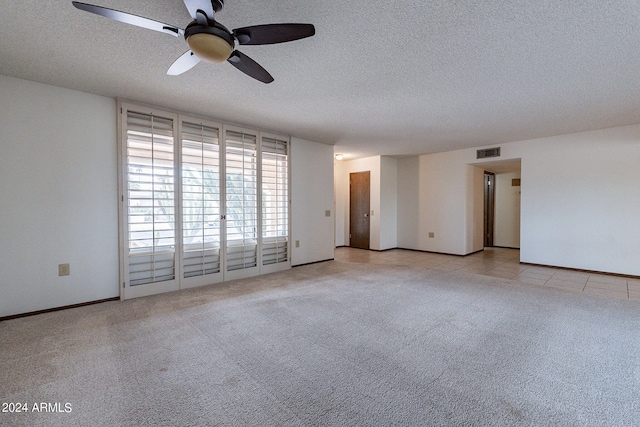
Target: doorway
359,209
497,204
489,207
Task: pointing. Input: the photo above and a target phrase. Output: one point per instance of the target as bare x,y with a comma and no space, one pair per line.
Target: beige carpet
330,344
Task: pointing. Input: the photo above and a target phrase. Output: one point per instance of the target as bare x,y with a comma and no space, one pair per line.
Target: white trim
250,271
270,268
126,290
207,279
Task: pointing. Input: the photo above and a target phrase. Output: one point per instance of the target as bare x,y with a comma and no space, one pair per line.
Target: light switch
327,213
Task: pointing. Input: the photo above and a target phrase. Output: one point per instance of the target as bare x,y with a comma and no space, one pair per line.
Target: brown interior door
359,194
489,207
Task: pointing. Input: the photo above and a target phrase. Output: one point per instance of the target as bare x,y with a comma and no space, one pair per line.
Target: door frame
126,290
249,271
206,279
280,266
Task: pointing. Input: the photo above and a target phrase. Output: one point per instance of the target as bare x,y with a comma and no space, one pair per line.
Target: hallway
503,263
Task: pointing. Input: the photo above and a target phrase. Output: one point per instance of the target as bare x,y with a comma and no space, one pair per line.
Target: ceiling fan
211,41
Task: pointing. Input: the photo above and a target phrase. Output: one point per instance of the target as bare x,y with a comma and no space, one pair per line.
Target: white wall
58,176
311,195
474,220
443,202
580,201
341,204
507,212
410,227
388,203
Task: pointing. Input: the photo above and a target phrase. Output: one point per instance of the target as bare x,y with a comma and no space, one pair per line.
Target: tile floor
504,263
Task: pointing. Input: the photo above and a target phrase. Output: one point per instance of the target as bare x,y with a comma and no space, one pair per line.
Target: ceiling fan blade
128,18
186,62
250,67
273,33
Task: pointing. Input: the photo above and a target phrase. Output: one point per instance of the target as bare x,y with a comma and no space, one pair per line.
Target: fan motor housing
211,43
215,29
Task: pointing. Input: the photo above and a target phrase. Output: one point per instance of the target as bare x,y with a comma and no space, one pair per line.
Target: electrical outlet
63,270
297,243
327,213
432,234
372,212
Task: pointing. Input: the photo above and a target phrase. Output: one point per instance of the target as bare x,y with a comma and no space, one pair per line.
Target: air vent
488,152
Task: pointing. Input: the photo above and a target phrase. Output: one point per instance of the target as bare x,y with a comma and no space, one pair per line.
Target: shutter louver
201,202
151,199
275,201
200,199
241,200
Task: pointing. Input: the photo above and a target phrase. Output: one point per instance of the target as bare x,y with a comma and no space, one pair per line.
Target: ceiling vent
488,152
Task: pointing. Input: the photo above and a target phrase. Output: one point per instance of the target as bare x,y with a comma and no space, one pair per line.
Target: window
151,199
201,202
201,208
275,201
241,200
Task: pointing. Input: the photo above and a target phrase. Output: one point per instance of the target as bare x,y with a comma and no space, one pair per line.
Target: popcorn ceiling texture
379,77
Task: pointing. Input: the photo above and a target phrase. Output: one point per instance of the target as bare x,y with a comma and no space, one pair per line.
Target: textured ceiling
379,77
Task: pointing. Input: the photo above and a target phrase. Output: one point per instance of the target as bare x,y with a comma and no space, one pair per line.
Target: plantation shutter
275,201
241,200
201,204
151,198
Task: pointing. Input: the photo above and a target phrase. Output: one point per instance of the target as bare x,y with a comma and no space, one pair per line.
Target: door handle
366,215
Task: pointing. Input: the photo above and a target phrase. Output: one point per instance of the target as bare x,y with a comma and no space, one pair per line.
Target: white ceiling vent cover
488,152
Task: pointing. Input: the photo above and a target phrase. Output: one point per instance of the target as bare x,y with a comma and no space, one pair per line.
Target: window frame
283,265
180,282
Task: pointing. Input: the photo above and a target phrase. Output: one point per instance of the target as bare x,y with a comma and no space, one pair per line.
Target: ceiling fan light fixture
210,48
211,43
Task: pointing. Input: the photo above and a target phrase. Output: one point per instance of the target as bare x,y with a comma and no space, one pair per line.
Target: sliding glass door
201,202
150,207
241,202
274,202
